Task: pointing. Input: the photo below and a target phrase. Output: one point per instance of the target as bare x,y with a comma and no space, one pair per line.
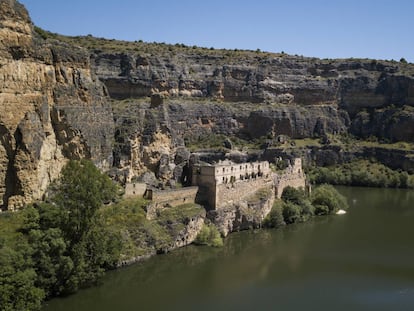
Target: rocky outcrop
177,233
52,108
242,215
329,155
363,96
166,98
187,235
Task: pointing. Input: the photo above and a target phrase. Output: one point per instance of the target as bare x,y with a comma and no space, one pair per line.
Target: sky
380,29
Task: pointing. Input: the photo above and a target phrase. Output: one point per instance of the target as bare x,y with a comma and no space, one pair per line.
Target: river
363,260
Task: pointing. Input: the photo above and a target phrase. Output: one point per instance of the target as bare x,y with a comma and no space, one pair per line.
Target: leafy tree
275,218
209,235
51,261
79,193
299,198
69,247
290,194
17,278
291,212
327,200
82,189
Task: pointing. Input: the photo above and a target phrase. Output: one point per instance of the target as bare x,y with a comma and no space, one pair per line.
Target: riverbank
322,264
36,243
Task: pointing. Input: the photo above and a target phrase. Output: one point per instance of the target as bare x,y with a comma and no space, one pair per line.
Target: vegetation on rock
59,246
361,173
56,247
209,235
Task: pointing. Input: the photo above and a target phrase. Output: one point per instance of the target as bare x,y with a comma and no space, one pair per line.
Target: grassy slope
141,236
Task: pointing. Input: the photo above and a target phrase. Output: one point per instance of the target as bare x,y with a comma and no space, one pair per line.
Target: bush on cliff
275,218
209,235
297,205
327,200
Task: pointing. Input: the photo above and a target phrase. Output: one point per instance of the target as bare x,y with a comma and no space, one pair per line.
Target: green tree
299,198
327,200
291,212
296,196
81,190
275,218
18,291
209,235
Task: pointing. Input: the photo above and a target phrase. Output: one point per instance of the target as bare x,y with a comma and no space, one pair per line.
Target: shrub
209,235
291,212
327,200
290,194
307,210
361,173
275,218
299,198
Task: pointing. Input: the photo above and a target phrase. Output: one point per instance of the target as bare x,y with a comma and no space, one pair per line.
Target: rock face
52,108
298,96
242,215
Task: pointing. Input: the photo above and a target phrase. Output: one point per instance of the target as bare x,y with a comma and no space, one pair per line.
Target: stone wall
170,198
293,176
135,190
243,214
227,194
292,180
175,197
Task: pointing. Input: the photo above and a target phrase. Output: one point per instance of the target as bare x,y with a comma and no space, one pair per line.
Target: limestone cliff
52,108
248,212
188,94
275,93
54,103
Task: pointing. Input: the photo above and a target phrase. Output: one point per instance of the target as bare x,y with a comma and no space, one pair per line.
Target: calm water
363,260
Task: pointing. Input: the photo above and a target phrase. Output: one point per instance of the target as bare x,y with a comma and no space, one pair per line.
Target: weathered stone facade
135,189
169,198
228,183
225,182
293,176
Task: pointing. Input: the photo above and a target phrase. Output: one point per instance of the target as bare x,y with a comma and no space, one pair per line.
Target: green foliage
209,235
42,33
275,218
297,205
362,173
56,247
141,236
291,212
84,249
82,189
327,200
18,291
296,196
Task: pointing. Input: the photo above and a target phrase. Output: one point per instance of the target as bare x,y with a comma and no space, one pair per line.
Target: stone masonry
227,183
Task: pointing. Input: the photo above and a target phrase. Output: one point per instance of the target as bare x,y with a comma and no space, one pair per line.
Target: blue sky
382,29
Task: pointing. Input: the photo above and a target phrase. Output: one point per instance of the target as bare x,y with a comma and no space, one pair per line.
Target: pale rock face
52,109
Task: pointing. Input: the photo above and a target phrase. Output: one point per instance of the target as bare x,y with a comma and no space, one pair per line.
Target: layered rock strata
52,108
